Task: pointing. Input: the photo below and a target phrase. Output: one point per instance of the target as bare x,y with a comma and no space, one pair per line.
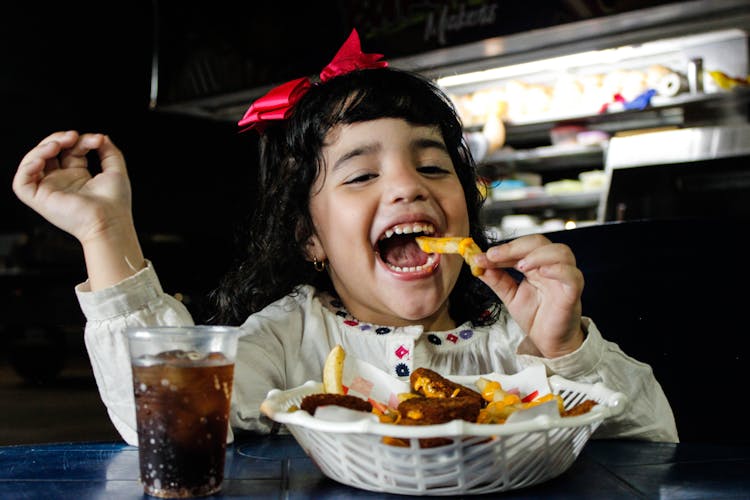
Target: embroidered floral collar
443,338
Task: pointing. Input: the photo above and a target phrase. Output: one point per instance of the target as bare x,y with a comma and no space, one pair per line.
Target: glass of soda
182,379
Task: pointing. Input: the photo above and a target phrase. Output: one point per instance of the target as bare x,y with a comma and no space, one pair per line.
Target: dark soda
182,410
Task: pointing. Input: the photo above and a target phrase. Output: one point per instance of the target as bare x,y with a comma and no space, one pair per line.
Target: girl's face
384,181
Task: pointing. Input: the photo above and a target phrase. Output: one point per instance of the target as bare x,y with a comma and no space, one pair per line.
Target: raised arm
55,181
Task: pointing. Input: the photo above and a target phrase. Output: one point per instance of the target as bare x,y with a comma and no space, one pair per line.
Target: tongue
402,251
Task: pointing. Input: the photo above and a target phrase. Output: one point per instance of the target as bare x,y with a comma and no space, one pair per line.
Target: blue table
276,467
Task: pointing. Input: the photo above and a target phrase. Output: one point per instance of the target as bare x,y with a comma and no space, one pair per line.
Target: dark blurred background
93,67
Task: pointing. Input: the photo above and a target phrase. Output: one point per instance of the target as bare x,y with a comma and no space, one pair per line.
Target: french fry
333,370
463,246
430,244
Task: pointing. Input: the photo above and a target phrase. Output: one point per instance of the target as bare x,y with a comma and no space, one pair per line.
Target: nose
405,184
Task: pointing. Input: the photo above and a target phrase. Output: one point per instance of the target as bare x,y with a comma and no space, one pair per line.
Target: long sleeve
647,415
136,301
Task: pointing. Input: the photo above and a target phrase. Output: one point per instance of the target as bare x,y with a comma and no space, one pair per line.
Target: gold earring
319,265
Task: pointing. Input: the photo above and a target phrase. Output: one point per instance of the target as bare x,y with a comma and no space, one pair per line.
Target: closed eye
433,169
360,179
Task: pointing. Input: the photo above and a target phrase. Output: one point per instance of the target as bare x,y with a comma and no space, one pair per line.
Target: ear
308,241
314,249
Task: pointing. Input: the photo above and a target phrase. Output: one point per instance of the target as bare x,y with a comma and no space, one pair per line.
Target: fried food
431,384
433,399
501,404
333,370
312,401
430,411
579,409
464,246
426,411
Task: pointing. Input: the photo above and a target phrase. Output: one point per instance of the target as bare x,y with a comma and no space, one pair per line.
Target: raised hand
547,302
54,180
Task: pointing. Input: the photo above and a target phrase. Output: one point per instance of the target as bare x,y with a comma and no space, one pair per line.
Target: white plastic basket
480,458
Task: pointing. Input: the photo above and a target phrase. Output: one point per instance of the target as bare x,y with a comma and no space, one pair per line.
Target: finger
110,156
66,138
508,254
33,165
547,255
502,283
49,147
28,175
564,273
562,283
74,156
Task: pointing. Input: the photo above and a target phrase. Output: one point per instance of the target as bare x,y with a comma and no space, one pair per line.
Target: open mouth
400,253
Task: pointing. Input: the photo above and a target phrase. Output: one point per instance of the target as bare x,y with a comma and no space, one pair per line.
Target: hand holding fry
546,303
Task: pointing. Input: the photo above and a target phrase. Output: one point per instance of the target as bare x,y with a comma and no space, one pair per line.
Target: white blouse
286,344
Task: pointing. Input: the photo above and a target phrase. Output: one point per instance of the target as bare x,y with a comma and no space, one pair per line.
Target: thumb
110,156
501,282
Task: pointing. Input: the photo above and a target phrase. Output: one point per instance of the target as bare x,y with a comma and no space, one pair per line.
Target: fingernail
522,264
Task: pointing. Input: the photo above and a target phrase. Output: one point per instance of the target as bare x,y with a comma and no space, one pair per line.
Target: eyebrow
359,151
418,144
428,144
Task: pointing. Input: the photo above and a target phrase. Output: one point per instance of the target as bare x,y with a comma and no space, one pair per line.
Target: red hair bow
277,103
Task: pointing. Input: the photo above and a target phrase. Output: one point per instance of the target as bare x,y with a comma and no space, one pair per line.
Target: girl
352,167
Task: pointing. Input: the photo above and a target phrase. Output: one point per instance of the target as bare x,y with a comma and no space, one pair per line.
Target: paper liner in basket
368,382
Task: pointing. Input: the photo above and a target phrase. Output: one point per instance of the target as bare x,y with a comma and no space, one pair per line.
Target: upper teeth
408,229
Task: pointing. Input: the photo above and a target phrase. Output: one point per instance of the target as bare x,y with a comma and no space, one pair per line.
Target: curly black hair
274,263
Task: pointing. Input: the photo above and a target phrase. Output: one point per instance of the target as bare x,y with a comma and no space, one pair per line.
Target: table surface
276,467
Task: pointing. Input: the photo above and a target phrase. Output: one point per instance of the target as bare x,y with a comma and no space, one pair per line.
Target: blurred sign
404,27
204,50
